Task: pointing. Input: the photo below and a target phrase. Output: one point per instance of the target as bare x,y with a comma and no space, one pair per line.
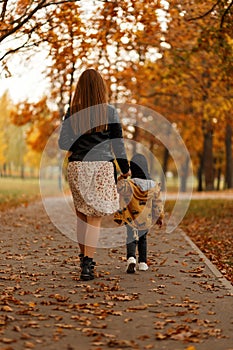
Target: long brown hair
91,90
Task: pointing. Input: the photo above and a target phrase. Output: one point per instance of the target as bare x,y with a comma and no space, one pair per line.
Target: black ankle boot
87,272
81,256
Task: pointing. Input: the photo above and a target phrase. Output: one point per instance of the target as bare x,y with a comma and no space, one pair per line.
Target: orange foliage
42,122
173,57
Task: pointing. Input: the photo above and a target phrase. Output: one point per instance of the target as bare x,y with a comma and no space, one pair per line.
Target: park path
181,302
202,195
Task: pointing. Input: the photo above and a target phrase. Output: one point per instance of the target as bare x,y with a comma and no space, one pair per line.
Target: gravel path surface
179,303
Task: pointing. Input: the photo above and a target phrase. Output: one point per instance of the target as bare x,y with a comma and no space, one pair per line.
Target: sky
27,80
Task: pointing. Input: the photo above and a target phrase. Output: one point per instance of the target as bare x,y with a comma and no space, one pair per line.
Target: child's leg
142,246
130,243
131,250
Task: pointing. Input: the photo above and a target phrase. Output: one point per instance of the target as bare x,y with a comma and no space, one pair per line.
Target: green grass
210,208
207,208
15,191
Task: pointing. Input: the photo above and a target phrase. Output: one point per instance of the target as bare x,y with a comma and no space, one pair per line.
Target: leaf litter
41,300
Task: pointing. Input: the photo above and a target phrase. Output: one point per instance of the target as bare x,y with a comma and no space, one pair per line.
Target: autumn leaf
8,340
59,297
6,308
137,307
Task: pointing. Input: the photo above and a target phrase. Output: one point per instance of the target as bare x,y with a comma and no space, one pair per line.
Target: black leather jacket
96,146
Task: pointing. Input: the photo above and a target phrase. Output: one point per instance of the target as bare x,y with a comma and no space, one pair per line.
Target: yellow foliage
3,147
22,5
32,158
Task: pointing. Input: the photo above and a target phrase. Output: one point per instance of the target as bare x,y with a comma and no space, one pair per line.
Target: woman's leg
92,235
81,230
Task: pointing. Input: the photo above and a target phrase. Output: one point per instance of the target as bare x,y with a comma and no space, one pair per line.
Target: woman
90,130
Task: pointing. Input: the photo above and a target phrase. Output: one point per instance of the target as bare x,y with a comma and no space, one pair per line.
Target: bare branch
205,14
225,13
20,47
3,9
41,5
26,19
158,94
24,45
60,2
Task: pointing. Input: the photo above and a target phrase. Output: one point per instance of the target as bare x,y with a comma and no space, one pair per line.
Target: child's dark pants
132,242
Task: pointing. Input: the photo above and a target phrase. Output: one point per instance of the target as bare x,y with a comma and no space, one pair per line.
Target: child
142,208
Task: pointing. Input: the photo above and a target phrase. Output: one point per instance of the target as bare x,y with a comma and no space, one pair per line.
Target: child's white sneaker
143,266
131,265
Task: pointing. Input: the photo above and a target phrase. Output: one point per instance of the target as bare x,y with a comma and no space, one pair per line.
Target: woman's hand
68,154
124,176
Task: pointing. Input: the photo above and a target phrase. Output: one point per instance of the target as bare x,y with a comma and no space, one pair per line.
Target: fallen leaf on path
143,337
160,336
98,343
163,262
66,326
122,344
136,308
159,324
58,297
17,329
116,313
89,331
6,308
8,340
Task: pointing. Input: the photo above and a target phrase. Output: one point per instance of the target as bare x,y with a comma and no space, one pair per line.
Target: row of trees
17,158
173,57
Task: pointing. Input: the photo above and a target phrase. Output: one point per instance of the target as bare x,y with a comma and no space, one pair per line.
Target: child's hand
120,177
159,222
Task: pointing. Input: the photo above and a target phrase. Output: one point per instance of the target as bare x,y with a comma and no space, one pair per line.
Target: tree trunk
4,170
229,162
9,170
22,175
208,160
199,174
152,163
218,179
136,138
184,175
164,168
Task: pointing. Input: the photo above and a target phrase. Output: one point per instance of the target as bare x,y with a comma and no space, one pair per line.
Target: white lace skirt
93,187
